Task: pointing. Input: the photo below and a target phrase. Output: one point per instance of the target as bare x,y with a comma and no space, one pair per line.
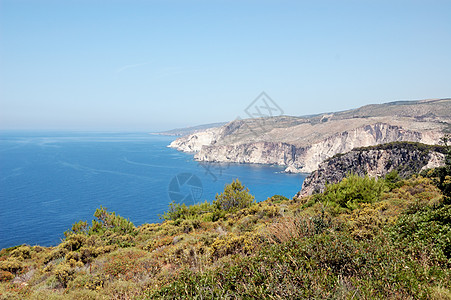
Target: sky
110,65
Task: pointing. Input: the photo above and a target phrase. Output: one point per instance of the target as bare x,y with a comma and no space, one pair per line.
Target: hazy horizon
150,131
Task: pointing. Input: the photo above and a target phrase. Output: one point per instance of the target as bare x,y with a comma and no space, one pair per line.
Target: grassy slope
362,238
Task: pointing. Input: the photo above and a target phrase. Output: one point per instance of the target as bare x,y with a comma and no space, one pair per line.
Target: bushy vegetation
353,191
408,146
362,238
106,222
234,197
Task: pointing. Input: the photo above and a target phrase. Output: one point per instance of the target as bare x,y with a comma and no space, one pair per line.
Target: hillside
302,143
362,238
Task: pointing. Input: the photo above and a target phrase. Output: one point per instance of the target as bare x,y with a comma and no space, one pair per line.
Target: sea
50,180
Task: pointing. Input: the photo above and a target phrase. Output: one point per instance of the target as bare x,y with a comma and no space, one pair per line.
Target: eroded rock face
303,159
406,158
260,152
368,135
194,142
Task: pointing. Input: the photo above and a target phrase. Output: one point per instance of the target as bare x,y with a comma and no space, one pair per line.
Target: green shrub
278,198
233,244
122,240
366,222
109,228
425,230
234,197
73,242
56,253
352,191
77,228
96,282
111,222
393,180
176,211
12,265
182,212
64,273
22,252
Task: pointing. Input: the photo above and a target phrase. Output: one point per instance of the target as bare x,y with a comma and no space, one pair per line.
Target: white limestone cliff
303,159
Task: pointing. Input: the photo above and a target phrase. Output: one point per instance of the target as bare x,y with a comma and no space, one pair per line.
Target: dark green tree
234,197
353,190
111,221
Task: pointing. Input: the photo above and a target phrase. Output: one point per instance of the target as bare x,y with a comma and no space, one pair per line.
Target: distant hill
189,130
302,143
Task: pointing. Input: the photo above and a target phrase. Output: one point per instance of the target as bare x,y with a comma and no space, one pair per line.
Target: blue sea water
48,181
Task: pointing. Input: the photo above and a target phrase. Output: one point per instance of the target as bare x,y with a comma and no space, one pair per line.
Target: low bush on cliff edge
352,191
234,197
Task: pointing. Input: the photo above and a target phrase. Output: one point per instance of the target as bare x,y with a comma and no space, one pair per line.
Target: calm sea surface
48,181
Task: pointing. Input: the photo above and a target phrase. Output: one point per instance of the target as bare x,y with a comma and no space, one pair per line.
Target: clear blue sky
154,65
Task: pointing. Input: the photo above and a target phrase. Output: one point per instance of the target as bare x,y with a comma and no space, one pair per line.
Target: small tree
111,221
81,227
234,197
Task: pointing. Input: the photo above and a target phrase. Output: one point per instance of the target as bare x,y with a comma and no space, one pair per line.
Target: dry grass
287,228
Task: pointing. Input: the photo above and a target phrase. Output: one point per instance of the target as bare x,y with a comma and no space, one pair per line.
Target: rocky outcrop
377,161
194,142
364,136
306,159
259,152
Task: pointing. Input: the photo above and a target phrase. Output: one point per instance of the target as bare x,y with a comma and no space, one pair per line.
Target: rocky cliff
302,143
406,158
194,142
298,158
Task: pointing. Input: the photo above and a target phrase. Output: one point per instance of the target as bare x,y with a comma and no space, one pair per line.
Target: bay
50,180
